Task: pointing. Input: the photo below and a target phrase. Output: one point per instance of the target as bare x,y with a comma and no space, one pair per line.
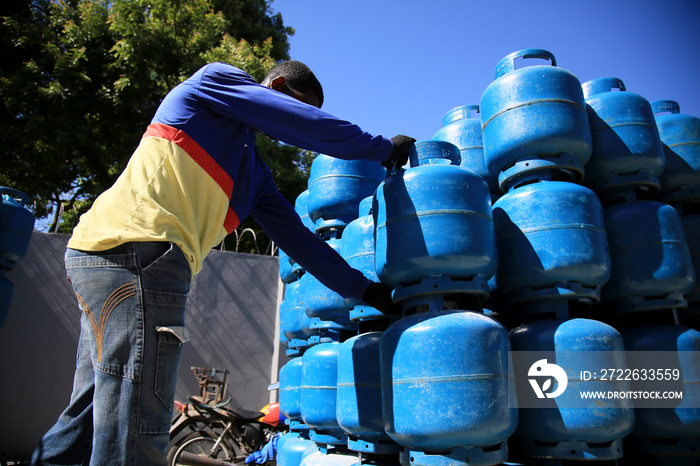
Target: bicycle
207,431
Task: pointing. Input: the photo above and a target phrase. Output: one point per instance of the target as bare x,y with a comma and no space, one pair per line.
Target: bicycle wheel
200,444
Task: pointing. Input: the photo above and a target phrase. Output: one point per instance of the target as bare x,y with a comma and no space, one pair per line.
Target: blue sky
396,67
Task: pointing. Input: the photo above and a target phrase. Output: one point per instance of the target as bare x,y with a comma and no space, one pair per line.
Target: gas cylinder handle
601,85
14,194
507,64
665,106
464,112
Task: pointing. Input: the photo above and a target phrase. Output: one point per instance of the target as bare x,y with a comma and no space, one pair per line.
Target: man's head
296,80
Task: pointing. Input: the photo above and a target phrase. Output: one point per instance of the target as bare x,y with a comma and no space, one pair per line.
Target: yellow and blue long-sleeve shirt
197,173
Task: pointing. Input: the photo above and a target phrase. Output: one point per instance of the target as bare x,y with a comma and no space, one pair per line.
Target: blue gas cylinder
690,218
287,274
668,427
292,449
290,389
323,303
16,226
282,311
627,150
445,387
331,458
301,206
359,402
311,450
7,289
462,127
650,259
434,221
306,325
319,389
358,251
551,239
292,310
680,135
534,121
566,426
336,188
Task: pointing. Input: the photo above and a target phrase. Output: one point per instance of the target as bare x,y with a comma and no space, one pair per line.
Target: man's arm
279,219
232,93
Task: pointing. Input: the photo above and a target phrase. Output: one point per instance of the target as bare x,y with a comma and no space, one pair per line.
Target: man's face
307,97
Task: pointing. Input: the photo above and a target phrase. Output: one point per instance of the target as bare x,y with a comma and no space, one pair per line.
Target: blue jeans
133,300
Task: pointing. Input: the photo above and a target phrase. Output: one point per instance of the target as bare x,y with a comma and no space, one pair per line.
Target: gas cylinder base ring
361,313
373,446
327,437
570,449
320,326
561,167
681,195
296,426
474,455
553,300
630,187
678,448
332,228
635,304
329,337
296,343
369,319
433,289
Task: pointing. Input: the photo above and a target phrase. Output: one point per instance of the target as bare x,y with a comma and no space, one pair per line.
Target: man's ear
278,83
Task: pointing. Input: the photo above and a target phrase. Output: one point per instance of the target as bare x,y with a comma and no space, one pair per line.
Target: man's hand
400,155
378,296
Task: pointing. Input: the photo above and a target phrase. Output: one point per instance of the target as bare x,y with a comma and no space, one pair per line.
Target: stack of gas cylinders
553,218
16,226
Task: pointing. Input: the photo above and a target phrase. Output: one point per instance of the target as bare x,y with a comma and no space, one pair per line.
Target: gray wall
231,316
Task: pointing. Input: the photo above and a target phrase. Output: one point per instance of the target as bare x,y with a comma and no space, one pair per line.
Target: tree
81,79
253,21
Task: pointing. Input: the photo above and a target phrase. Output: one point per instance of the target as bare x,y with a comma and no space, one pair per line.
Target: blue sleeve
279,219
232,93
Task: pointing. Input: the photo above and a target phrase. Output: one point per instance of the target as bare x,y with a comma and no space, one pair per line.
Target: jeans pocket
164,263
170,341
149,253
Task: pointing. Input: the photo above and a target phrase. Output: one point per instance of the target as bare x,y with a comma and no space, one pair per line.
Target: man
194,176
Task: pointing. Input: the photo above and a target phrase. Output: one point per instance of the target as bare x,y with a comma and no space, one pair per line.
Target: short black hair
297,76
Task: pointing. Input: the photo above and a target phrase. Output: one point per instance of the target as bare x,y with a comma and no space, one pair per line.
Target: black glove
378,296
400,155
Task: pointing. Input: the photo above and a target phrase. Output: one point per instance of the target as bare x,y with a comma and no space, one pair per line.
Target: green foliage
81,79
251,19
255,59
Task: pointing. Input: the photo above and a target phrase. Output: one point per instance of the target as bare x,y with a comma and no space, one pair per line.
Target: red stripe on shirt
198,154
231,221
